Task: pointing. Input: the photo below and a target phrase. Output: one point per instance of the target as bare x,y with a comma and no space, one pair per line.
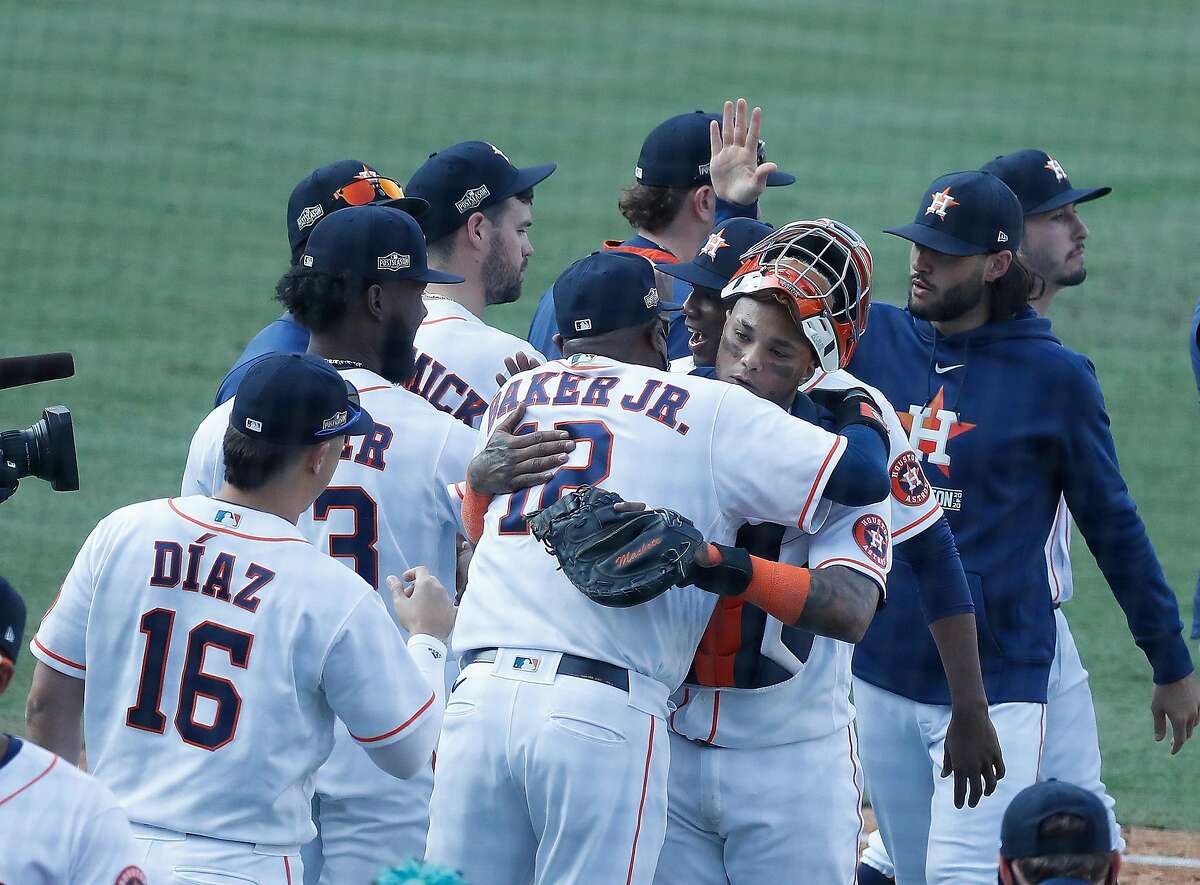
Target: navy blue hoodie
1005,420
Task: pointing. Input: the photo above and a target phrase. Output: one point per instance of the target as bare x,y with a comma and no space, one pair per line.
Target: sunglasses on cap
367,189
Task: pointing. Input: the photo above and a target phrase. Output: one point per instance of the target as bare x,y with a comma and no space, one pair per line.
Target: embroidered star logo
931,427
498,152
1060,174
715,243
940,202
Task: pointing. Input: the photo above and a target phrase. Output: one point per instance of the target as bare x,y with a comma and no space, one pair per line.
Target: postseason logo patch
909,485
131,876
393,261
309,216
472,199
872,536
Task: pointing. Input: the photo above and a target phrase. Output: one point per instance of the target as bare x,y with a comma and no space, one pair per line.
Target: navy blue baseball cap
677,151
721,255
1039,181
297,399
465,178
376,242
12,621
336,186
1029,809
966,213
604,292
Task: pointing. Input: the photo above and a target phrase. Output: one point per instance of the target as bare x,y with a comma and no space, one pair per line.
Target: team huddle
342,647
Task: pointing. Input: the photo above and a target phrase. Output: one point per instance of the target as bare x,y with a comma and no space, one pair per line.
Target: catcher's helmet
792,263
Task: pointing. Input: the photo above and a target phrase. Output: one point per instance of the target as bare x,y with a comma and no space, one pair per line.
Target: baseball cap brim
936,240
361,424
528,177
697,276
780,179
429,275
1074,195
414,206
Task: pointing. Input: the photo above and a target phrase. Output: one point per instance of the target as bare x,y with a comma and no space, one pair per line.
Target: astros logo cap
336,186
721,254
1039,181
372,242
297,399
966,213
677,151
466,178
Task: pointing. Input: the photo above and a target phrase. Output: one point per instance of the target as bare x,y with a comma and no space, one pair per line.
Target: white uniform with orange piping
387,509
217,645
551,777
458,356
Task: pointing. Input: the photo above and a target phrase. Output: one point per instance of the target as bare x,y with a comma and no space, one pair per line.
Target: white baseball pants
174,858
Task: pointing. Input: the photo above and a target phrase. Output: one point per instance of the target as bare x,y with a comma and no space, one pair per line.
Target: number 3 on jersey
598,439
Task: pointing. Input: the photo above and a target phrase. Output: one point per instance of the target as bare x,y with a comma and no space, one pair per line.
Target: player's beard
501,280
399,356
954,302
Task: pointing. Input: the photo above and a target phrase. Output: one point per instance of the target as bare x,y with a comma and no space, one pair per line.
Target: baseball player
477,226
1008,420
209,646
1057,832
559,716
328,189
685,179
357,289
924,542
763,697
1194,347
58,823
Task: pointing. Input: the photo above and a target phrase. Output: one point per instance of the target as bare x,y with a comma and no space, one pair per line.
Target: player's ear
997,265
704,204
373,298
6,673
558,341
474,229
1006,876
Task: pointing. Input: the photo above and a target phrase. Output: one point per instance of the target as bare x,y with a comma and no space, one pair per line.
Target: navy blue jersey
283,335
1006,419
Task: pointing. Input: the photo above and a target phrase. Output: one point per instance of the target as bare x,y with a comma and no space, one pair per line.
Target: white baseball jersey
709,450
388,507
914,508
458,356
59,825
758,683
217,644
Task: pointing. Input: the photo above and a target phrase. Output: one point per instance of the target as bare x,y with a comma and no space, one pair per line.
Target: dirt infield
1152,856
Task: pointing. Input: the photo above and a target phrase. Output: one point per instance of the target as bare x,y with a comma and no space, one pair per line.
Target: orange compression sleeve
475,505
778,589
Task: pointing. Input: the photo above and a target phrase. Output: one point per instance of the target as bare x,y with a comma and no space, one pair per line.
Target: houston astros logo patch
931,427
715,243
909,485
872,536
940,202
1060,174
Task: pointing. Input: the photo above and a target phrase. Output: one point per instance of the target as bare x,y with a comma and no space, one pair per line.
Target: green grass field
148,149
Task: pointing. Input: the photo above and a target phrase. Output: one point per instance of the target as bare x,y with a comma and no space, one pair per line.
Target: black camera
47,448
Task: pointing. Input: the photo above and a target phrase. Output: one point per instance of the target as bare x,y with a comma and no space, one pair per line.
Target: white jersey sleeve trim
399,728
54,661
869,570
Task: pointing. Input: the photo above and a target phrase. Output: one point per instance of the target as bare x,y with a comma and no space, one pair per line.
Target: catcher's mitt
617,559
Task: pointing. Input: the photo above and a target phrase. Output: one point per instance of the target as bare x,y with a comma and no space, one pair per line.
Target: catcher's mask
793,263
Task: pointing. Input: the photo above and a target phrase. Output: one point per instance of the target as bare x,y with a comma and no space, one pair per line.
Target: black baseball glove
617,557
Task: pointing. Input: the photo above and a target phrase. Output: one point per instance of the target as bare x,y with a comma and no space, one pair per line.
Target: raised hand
736,174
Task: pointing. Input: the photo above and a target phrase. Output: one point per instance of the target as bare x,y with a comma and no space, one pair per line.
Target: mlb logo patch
253,424
526,665
583,325
10,635
228,518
